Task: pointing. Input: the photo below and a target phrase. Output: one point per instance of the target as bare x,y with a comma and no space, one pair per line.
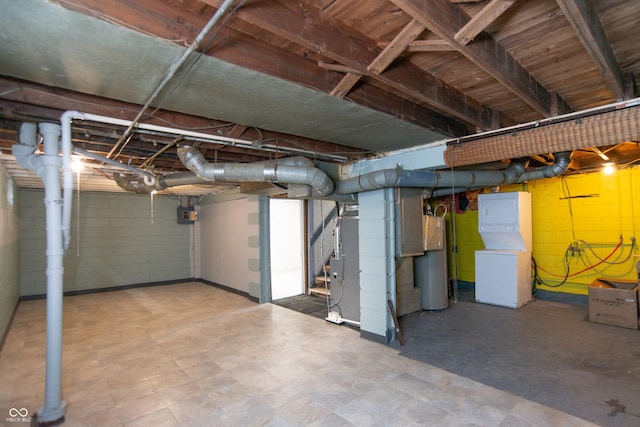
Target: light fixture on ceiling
608,168
76,164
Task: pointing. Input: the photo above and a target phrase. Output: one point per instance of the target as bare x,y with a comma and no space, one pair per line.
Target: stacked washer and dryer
503,268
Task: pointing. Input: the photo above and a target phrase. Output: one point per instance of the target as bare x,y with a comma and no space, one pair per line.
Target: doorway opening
286,231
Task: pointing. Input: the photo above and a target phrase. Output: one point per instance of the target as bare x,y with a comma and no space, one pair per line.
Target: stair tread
320,291
320,280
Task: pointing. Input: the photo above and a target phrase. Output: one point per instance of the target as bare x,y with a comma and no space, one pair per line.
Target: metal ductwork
295,170
562,161
561,164
431,179
141,184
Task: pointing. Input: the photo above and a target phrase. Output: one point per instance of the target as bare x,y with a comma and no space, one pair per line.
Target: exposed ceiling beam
393,50
398,45
244,50
584,19
25,98
425,46
318,32
445,19
345,85
482,20
235,46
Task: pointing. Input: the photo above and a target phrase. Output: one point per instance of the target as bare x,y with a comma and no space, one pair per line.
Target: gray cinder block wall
9,252
115,241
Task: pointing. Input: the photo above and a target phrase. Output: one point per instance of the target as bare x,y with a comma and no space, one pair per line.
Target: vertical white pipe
67,148
54,407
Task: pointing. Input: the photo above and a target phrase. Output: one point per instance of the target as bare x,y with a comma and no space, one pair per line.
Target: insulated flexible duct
288,170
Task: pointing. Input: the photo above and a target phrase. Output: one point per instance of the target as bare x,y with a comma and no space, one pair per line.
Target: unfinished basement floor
194,355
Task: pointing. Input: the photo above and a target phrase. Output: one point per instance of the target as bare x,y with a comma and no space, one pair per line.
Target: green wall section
9,254
116,240
591,210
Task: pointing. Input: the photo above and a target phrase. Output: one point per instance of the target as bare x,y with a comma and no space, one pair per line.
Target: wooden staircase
320,288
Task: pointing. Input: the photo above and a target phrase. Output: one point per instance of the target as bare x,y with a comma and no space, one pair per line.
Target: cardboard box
614,302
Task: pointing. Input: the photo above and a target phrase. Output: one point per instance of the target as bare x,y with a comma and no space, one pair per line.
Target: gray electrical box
187,215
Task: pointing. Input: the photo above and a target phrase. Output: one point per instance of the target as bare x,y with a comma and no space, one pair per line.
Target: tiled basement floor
194,355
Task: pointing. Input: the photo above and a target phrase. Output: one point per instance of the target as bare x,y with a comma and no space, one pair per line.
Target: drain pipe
54,408
58,220
47,167
24,149
287,170
67,173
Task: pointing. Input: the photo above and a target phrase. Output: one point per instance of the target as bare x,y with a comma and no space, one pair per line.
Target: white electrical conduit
188,134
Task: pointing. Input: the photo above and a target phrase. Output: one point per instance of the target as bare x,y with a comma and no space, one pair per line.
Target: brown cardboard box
614,302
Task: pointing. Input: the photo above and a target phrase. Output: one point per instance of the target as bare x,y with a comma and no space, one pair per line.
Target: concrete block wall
223,232
377,260
258,261
9,250
595,208
116,240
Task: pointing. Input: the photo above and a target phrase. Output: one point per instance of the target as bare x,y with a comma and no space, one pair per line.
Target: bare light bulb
609,168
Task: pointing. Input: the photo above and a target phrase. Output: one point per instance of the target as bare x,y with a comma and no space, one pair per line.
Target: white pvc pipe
54,408
24,150
65,121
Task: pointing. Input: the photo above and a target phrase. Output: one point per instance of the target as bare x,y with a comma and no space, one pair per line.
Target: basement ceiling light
608,168
76,164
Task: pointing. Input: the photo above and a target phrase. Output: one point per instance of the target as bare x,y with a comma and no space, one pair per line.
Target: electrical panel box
504,220
187,215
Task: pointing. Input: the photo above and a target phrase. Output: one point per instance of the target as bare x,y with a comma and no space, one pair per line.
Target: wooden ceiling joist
588,28
482,20
445,19
397,46
308,27
425,46
393,50
34,100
